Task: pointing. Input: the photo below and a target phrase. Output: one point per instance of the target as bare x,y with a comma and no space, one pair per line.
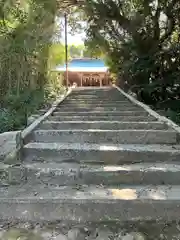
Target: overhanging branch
170,21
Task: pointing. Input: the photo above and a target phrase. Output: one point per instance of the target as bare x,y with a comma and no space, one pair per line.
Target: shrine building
86,72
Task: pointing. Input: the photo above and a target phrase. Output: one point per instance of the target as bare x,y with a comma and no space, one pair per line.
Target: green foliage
56,54
7,120
93,49
27,28
141,39
26,54
16,109
76,51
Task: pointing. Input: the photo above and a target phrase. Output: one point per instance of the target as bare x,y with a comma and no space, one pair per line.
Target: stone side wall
8,143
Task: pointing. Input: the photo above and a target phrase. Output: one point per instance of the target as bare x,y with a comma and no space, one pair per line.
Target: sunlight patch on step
145,167
109,147
133,194
126,194
157,194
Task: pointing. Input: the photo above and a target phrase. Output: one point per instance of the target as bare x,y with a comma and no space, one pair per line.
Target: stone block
10,174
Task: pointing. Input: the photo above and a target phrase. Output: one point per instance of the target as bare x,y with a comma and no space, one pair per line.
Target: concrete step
99,103
95,92
92,203
100,113
97,95
98,100
95,107
113,125
107,94
93,88
96,103
107,154
107,136
75,108
104,94
104,118
73,174
100,96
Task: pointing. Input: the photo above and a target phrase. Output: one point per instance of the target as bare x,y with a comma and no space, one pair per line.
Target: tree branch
170,21
156,22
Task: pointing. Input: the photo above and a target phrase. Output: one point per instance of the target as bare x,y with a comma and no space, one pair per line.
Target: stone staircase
99,157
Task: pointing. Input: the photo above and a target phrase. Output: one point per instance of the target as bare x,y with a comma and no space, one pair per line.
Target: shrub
16,109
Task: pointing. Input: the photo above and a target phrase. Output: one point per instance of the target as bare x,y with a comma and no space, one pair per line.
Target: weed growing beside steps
15,109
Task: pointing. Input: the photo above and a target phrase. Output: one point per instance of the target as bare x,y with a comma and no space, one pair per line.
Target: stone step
93,92
75,108
97,103
63,230
114,96
100,100
76,174
104,118
107,154
113,125
100,113
90,203
96,92
71,100
107,136
109,93
93,88
98,95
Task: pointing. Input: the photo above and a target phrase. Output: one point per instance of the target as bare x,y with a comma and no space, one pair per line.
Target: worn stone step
92,203
93,88
100,113
73,108
104,118
110,154
97,107
102,125
113,96
99,100
94,92
136,230
96,103
109,93
94,100
73,174
87,89
105,94
107,136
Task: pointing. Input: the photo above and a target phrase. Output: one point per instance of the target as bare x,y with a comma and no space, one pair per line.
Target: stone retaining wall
9,142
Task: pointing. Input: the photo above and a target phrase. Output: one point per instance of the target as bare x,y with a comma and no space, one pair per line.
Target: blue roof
87,63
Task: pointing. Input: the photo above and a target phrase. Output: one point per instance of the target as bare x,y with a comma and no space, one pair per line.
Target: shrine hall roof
84,65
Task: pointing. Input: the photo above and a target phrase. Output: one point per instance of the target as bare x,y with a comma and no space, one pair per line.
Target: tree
56,54
76,51
140,39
